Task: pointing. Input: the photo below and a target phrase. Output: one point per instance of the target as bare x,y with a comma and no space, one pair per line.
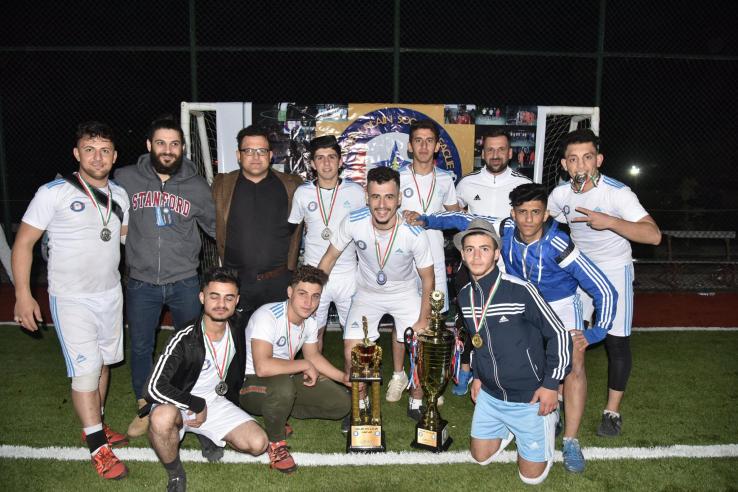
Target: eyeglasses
261,152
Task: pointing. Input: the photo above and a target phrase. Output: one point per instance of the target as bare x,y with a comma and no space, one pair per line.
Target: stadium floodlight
634,170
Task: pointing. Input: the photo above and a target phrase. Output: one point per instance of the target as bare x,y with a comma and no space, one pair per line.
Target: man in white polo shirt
604,215
85,215
322,204
391,254
427,189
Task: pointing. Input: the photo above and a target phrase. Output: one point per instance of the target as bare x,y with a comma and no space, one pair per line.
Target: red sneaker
280,457
115,439
107,464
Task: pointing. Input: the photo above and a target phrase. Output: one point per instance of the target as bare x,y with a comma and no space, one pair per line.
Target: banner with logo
374,135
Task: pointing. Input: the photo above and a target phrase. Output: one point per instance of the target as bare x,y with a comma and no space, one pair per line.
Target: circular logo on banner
408,192
313,206
380,138
361,244
282,340
77,206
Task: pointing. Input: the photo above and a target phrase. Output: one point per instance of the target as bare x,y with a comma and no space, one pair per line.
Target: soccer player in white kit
322,204
427,189
604,215
85,215
486,192
390,253
195,383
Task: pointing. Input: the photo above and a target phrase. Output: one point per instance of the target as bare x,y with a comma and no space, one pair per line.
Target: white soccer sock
398,373
615,414
92,429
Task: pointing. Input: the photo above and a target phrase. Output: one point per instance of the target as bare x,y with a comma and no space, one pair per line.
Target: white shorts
223,417
439,271
621,277
404,308
339,290
90,330
569,310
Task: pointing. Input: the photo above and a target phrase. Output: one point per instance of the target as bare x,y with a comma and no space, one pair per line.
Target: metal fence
663,74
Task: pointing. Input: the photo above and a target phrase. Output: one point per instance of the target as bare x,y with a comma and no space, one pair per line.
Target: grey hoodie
163,243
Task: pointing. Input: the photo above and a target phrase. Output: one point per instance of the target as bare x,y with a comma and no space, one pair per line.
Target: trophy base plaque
431,440
365,439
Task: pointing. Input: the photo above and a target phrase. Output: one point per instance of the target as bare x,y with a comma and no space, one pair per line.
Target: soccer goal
198,121
553,123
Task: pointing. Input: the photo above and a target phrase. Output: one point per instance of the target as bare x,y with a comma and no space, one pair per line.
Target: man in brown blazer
252,232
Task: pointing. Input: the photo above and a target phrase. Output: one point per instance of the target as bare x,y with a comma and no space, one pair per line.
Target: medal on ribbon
382,259
477,338
105,234
425,204
222,369
326,234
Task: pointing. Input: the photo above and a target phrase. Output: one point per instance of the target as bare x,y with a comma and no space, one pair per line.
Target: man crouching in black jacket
194,385
521,353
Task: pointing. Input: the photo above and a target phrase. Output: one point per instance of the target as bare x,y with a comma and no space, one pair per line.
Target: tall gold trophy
435,352
365,433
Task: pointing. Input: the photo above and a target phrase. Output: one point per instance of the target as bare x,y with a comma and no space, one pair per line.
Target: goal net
199,127
554,122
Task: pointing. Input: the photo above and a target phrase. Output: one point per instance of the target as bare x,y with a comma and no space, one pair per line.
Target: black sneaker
177,484
346,424
210,451
415,413
610,425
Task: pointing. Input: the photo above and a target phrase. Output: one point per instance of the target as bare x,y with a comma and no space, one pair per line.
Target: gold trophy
365,432
435,352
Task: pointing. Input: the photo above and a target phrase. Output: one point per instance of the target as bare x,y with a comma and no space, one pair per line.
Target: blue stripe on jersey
414,229
613,182
278,309
359,214
56,182
57,327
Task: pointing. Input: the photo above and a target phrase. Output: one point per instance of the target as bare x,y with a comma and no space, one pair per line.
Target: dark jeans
144,302
256,293
278,398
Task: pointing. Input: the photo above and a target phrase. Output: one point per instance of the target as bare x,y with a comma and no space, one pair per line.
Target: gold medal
477,341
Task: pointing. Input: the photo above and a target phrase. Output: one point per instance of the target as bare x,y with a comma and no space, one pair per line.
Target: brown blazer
223,187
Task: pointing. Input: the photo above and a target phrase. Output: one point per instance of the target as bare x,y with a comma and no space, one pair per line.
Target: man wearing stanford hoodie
163,245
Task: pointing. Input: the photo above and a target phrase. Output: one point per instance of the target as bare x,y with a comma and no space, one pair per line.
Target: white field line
389,458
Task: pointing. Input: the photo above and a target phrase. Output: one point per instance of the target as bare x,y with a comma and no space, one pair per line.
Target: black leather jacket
178,367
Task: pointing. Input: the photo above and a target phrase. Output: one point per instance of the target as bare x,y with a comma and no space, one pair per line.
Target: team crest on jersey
313,206
566,210
407,192
361,244
206,365
380,138
77,206
282,340
347,204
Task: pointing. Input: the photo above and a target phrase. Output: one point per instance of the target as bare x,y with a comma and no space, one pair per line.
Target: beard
162,168
497,166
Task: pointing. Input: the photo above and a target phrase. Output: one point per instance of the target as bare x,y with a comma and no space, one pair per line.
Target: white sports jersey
411,250
269,323
79,261
609,196
306,206
444,194
487,194
209,378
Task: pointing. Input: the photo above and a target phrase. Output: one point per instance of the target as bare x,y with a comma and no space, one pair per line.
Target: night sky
668,89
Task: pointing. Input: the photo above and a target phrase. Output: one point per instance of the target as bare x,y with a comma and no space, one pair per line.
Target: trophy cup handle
408,338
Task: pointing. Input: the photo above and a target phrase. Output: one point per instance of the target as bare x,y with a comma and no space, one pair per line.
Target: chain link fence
663,76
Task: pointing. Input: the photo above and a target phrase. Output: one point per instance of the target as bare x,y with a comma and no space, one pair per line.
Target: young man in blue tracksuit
521,353
534,249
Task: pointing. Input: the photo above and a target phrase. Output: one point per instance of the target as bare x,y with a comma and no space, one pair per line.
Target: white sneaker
396,386
440,401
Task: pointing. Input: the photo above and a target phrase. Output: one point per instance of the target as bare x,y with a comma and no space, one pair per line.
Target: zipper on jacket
158,243
532,366
495,373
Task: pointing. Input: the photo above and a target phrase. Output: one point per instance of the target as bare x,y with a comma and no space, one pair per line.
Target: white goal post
553,123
